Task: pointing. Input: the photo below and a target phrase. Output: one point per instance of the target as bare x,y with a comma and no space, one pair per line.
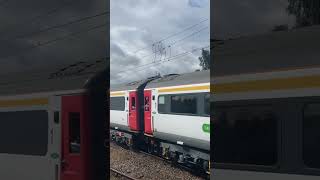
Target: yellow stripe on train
267,85
24,102
190,88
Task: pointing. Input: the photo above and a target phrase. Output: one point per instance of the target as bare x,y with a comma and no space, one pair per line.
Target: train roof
268,52
131,85
197,77
68,77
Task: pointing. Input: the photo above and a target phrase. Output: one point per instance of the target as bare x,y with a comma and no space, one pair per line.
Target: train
168,116
53,123
266,106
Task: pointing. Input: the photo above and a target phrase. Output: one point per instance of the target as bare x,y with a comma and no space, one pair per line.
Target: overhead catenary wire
165,60
40,16
175,42
26,50
176,58
58,26
172,35
101,58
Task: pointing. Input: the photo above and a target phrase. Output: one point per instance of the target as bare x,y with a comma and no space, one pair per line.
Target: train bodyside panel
181,116
29,121
53,132
284,105
180,124
119,108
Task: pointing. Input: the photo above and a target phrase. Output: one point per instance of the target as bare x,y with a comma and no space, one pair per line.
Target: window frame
71,120
304,107
48,125
200,97
239,166
124,103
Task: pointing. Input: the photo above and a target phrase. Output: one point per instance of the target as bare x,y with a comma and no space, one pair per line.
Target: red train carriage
53,125
129,111
167,116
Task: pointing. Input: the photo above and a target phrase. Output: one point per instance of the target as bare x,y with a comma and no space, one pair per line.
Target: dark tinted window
163,104
185,104
147,103
24,132
74,132
133,103
311,135
245,135
117,103
207,103
56,117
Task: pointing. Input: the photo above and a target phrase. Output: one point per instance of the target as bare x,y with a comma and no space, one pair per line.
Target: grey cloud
137,24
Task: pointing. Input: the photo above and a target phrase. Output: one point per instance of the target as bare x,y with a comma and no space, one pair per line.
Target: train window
245,135
311,135
24,132
162,104
74,132
117,103
146,103
207,104
161,100
133,103
184,104
56,117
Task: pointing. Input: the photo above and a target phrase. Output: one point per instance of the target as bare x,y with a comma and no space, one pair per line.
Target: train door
154,107
74,115
133,109
147,112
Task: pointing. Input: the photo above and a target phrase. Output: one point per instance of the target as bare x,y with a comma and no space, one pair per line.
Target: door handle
64,164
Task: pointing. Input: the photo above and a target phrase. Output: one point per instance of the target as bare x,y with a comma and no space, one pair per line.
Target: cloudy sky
23,48
137,24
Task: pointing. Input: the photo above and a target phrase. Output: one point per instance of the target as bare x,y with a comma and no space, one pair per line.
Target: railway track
118,173
205,176
189,169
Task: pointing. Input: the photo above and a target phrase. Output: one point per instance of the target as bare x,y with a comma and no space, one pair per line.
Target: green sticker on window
206,128
54,155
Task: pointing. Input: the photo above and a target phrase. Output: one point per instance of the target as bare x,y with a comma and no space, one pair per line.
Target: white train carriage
53,125
177,116
166,115
179,109
266,107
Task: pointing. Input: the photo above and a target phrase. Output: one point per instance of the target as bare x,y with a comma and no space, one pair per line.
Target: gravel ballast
145,167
